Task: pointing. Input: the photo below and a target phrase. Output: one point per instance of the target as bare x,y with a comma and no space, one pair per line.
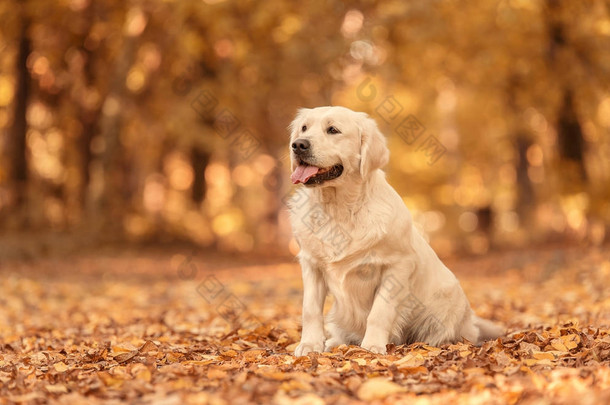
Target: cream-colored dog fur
358,243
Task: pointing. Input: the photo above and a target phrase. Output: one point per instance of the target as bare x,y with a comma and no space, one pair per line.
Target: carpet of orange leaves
174,329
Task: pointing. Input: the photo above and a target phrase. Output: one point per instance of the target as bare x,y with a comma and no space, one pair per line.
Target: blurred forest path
155,327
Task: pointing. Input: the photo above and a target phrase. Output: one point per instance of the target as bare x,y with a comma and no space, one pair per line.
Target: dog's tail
487,329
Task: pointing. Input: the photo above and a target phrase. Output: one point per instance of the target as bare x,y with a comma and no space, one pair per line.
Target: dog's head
330,144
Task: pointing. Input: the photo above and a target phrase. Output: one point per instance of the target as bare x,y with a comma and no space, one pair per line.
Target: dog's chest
327,235
328,244
354,277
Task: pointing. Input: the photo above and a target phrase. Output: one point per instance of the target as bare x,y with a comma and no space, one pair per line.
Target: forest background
165,121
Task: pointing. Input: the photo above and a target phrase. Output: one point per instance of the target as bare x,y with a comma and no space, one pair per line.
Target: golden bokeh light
135,79
6,90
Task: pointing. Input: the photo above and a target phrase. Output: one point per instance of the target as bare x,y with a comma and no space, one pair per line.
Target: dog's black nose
300,146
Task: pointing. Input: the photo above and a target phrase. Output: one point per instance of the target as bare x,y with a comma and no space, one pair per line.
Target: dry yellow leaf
543,355
413,370
360,362
295,385
141,372
148,346
559,345
273,375
56,388
410,360
378,388
474,371
198,362
122,349
60,367
109,380
252,355
123,357
173,357
571,341
534,362
347,366
230,353
324,361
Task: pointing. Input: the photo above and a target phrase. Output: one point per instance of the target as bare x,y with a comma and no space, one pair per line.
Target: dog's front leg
382,317
314,294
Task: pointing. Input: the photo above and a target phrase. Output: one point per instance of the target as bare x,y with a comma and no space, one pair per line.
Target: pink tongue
303,173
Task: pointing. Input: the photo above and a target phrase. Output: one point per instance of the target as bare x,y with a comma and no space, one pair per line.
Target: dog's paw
332,342
304,347
378,349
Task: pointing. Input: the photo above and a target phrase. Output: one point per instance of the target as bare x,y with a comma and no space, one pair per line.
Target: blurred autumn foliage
161,120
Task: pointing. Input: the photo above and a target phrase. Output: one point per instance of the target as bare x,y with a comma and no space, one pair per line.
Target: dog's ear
294,125
374,153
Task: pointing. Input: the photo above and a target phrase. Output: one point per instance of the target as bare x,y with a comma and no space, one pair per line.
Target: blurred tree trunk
17,142
88,118
199,162
571,141
115,194
526,200
89,121
569,129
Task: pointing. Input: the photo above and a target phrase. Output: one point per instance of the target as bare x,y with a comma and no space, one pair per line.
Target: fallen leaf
543,355
571,341
123,357
413,370
252,355
410,360
378,388
56,388
148,346
60,367
229,353
559,345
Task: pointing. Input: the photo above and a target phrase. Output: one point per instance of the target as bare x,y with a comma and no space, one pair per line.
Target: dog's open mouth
311,175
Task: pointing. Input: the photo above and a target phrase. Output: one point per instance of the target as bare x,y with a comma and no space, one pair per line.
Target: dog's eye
332,130
304,128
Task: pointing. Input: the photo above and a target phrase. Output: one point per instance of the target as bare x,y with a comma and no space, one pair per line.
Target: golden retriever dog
357,242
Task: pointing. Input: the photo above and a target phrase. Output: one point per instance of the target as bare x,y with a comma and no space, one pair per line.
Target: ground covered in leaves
172,328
